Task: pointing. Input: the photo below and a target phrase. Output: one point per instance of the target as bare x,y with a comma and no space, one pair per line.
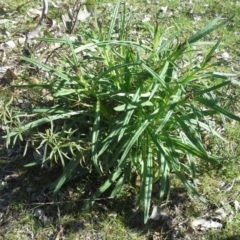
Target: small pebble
39,212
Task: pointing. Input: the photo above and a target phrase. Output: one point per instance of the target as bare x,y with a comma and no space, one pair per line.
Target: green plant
127,107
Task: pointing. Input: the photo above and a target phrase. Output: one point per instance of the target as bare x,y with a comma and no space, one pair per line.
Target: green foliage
126,107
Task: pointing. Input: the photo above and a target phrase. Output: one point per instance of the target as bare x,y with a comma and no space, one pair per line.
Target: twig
37,29
52,203
75,5
75,18
54,50
59,234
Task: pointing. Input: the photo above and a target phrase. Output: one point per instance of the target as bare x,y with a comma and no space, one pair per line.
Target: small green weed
120,107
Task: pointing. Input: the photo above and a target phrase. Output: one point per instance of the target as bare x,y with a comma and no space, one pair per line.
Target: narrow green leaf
68,170
147,183
169,73
51,40
129,114
121,180
190,187
195,152
47,68
114,152
158,77
165,44
74,56
191,164
172,153
111,179
189,132
64,92
32,164
218,109
95,133
127,107
137,134
113,135
210,54
214,87
34,86
40,122
116,67
167,117
208,128
165,179
163,163
208,29
223,75
96,43
114,18
51,110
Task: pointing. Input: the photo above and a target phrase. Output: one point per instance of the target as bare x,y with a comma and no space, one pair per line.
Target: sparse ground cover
29,210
